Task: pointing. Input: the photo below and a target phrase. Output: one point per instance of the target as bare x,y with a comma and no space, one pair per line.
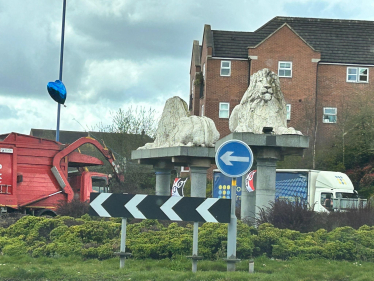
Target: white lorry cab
325,191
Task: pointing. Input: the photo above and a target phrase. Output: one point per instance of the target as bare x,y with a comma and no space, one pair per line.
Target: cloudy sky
119,53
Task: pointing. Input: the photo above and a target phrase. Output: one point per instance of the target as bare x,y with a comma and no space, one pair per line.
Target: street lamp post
61,63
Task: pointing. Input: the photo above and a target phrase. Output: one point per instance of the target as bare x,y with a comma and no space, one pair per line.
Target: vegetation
299,216
74,209
138,121
67,248
130,129
178,269
99,239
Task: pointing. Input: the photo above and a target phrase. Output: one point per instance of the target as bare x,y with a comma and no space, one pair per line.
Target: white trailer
327,191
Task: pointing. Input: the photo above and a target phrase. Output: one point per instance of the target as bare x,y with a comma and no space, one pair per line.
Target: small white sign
6,150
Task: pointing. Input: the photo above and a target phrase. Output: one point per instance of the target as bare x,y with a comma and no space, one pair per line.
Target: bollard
251,266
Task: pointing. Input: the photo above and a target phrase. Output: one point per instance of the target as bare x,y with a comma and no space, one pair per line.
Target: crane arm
60,175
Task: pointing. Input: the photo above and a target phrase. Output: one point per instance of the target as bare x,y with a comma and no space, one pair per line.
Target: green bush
99,239
149,239
212,240
15,247
102,252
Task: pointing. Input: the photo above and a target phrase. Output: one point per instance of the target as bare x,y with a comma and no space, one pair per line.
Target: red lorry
38,174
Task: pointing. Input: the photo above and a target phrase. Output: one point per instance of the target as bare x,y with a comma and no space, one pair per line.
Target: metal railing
349,203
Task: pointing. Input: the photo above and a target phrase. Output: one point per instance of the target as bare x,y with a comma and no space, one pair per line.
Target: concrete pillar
163,173
198,181
248,204
267,158
198,171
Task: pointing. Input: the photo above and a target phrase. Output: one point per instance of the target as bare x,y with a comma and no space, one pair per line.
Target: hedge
99,239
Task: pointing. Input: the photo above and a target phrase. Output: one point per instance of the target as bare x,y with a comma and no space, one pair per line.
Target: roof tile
343,41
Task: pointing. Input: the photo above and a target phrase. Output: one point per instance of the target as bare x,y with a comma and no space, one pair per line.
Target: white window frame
288,107
225,67
204,70
202,110
283,68
357,75
220,111
326,120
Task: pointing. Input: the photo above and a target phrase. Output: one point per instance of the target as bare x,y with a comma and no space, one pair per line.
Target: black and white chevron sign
141,206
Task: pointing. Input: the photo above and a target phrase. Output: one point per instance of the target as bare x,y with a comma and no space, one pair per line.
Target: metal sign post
234,158
195,241
232,231
122,253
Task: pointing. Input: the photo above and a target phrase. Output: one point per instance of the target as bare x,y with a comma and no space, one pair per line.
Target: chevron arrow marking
167,208
204,207
131,206
97,204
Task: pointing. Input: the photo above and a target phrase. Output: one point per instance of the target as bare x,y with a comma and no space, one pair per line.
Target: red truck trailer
35,177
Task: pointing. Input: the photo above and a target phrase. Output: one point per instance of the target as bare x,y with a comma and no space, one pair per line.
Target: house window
204,70
285,69
329,114
358,74
193,87
225,68
288,106
224,108
202,110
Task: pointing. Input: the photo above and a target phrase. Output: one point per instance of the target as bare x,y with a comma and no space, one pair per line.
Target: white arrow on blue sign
234,158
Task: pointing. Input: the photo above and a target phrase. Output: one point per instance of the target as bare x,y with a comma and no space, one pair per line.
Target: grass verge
27,268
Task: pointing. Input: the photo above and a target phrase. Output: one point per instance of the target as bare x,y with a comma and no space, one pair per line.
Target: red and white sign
178,185
250,181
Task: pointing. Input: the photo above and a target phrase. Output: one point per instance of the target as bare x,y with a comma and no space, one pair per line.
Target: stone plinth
267,149
165,159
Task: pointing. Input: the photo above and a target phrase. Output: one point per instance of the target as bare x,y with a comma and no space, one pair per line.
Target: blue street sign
234,158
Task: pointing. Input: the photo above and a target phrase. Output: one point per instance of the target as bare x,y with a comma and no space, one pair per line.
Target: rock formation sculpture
177,128
262,105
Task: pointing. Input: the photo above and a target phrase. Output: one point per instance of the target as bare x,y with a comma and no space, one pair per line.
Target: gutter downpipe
249,71
315,120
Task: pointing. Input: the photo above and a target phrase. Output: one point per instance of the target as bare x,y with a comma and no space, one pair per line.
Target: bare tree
132,121
130,129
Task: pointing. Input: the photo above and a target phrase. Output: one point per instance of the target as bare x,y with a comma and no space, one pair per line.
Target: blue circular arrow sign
234,158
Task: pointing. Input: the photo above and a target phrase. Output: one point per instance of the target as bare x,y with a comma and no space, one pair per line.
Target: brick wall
335,91
224,89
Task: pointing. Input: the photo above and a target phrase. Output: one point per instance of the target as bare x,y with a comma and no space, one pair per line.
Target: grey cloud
6,112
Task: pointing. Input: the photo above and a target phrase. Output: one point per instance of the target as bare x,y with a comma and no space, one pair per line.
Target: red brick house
320,62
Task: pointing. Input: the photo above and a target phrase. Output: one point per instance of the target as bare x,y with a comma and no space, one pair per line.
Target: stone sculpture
262,105
177,128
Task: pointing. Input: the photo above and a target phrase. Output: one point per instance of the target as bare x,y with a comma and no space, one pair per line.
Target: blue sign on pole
234,158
